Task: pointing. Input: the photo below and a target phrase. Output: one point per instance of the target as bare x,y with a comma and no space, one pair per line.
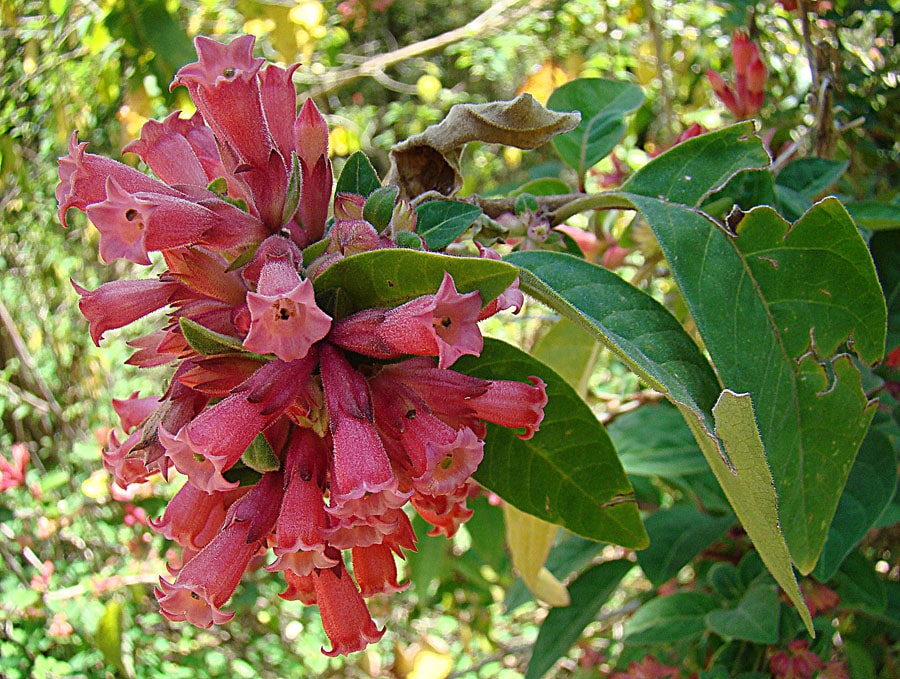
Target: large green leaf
688,172
568,473
386,278
603,105
677,535
755,618
774,304
868,492
667,619
563,626
440,222
654,440
637,328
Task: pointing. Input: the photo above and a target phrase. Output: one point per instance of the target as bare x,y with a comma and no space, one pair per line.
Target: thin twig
489,20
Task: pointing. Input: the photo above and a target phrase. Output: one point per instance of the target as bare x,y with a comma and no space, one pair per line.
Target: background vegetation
79,559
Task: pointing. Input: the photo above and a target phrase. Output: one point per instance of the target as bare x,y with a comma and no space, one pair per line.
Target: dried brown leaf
429,161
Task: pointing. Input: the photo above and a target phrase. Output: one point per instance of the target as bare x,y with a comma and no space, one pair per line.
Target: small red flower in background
746,97
12,474
293,431
797,662
648,668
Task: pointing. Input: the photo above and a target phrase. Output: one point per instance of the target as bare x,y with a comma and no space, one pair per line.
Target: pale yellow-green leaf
530,539
571,351
749,486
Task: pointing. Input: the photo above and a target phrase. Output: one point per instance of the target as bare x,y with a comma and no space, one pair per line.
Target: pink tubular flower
443,324
301,438
285,320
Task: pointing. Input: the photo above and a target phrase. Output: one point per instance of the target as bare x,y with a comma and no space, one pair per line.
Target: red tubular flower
300,538
443,324
513,405
214,441
193,517
376,571
118,303
223,85
749,77
207,581
279,103
167,149
83,177
346,619
360,465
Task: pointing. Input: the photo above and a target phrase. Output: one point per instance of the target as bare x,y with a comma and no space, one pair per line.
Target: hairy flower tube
307,438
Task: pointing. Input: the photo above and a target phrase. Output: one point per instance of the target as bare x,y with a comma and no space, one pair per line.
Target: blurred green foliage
78,572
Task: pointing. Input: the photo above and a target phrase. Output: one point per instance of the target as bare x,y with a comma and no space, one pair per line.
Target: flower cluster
297,431
748,94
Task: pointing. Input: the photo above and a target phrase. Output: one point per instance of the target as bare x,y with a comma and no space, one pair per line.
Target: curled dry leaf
429,161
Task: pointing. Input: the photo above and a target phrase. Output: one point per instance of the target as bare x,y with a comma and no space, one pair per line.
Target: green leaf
654,440
875,215
859,585
868,492
358,176
746,189
389,277
603,105
790,203
885,247
379,206
260,457
810,176
563,626
677,535
568,473
208,342
667,619
755,619
748,484
292,197
545,186
440,222
774,305
635,327
688,172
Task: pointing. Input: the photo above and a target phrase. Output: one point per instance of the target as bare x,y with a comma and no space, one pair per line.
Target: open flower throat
299,433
